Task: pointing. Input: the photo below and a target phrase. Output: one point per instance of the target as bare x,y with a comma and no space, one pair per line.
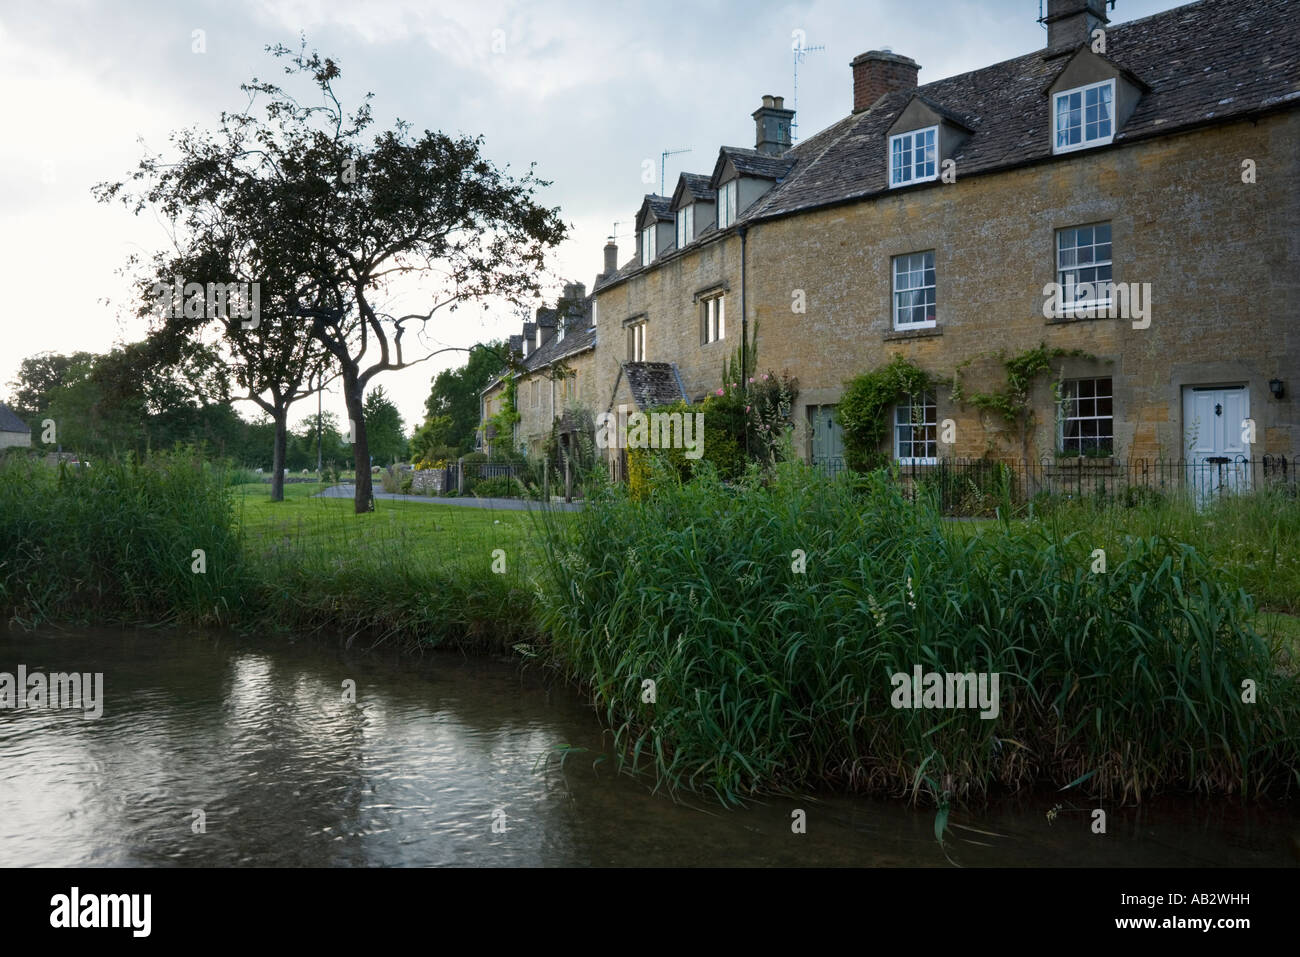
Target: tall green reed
1121,683
116,543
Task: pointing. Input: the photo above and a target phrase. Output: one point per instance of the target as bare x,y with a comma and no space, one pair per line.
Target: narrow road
498,504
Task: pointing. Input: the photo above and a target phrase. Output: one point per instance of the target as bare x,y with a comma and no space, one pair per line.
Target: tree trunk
281,417
364,501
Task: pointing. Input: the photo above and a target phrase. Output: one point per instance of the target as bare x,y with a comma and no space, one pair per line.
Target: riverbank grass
420,573
770,621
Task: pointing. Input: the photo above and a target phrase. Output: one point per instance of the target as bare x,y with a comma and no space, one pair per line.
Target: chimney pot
772,126
1071,22
878,72
611,257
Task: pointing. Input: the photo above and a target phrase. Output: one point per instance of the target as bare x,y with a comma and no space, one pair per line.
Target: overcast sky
588,91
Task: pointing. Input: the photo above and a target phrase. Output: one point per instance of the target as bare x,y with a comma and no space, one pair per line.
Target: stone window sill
923,333
1069,320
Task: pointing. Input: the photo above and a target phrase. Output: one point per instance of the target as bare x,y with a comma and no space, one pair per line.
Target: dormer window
685,225
648,245
727,204
914,156
1083,117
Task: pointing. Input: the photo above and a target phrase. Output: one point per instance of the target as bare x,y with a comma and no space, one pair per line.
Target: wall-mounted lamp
1275,386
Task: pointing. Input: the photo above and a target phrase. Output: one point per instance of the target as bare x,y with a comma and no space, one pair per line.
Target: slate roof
10,422
946,113
697,185
1206,62
574,341
1210,61
653,383
579,336
661,206
753,163
619,274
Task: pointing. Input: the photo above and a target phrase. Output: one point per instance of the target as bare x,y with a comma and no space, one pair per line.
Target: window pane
914,288
1087,424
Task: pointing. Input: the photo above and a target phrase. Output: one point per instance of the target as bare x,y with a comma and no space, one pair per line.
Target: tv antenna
798,53
663,158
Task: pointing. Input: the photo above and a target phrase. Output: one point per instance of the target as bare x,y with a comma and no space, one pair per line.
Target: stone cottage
14,432
1130,191
553,355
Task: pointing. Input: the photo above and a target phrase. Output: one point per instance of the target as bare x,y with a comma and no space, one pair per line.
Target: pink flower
746,408
751,378
719,392
764,377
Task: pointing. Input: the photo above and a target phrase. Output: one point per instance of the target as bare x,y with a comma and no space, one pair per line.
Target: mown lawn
418,572
419,530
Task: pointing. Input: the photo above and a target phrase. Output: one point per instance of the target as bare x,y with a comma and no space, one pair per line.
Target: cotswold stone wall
1220,256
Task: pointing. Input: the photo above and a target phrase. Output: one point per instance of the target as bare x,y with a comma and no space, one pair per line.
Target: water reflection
258,736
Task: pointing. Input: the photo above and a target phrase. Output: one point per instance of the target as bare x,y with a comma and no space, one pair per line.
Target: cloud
588,90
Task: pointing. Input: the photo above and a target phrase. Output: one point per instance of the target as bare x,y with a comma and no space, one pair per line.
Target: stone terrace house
14,432
1162,155
556,352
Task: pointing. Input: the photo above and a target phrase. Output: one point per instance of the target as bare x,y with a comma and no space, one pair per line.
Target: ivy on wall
508,415
1013,403
863,408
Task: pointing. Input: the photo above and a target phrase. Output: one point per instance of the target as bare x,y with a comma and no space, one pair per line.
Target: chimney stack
878,72
1071,22
611,257
772,126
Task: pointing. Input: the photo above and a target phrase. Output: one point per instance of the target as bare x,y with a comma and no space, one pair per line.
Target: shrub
771,401
500,486
863,409
977,488
238,475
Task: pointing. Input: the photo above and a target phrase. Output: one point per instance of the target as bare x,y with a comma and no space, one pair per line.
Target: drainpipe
743,231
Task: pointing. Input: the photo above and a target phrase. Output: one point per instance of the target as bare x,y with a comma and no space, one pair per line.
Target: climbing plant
864,404
508,414
733,377
1013,402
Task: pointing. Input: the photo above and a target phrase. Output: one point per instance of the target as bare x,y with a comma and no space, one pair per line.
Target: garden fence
978,486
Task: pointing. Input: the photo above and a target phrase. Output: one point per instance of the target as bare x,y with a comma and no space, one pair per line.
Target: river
217,750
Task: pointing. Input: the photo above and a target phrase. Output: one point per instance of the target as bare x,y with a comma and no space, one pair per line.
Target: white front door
1216,427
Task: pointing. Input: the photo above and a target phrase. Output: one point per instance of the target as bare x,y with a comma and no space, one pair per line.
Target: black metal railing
979,486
